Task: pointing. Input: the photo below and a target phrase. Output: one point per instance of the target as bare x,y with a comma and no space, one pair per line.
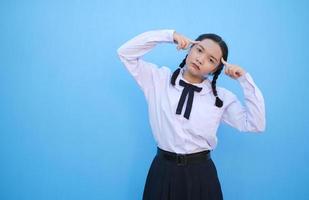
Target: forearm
143,43
254,104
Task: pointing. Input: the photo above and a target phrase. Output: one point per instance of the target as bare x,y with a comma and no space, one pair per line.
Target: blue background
74,124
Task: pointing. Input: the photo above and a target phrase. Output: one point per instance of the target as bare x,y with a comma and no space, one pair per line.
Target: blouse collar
205,85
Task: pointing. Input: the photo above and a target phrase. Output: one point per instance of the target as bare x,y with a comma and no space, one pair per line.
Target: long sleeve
131,54
251,116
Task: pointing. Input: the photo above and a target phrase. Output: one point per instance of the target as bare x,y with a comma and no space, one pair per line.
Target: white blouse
173,132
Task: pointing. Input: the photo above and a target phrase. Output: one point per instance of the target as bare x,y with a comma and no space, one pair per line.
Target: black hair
224,50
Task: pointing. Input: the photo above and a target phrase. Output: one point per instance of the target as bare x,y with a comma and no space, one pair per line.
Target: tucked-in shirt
173,132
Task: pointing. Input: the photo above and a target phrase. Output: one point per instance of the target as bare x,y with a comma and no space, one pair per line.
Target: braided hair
224,49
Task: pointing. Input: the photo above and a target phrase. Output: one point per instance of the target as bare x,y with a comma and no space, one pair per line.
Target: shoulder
164,72
226,95
158,74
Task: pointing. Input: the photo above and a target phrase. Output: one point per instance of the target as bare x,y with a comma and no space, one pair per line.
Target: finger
194,42
230,74
184,44
188,43
225,71
230,71
178,42
181,44
236,73
225,63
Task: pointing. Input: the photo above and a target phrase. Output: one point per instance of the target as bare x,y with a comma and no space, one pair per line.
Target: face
203,58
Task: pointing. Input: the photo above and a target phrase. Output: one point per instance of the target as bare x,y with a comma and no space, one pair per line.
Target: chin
194,72
197,75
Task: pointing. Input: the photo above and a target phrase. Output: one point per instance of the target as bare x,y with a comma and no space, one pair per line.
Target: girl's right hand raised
182,41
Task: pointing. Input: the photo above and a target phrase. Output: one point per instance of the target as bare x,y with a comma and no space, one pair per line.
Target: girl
185,110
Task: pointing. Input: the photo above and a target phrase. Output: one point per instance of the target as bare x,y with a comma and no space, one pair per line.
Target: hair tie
219,102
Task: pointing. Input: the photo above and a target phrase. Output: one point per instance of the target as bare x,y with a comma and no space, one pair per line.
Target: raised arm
251,116
131,54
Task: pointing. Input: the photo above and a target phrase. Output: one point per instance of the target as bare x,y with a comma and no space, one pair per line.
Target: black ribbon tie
188,90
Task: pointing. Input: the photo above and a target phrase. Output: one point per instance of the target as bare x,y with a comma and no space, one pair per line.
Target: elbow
260,128
257,127
122,54
262,125
119,52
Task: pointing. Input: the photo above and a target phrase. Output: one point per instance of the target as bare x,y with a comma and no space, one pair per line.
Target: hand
233,71
182,41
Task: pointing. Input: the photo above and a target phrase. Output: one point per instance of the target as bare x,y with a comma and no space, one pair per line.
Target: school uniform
184,122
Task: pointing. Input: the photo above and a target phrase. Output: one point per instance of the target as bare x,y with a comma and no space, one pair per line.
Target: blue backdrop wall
74,124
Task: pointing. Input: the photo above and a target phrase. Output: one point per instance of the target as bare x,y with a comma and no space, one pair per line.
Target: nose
199,60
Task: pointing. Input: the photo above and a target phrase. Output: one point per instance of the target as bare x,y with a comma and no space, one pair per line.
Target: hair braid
219,102
177,71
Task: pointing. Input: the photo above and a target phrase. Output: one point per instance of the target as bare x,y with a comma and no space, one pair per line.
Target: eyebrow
210,54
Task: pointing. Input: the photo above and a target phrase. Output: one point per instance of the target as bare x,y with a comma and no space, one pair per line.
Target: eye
212,61
199,50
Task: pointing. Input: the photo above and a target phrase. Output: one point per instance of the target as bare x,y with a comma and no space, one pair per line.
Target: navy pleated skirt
166,180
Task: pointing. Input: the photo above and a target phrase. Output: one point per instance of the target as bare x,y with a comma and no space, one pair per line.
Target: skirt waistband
184,159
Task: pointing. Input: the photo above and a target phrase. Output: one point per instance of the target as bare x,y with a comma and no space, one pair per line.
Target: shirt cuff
170,35
246,81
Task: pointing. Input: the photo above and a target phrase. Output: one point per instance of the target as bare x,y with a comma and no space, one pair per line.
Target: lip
195,66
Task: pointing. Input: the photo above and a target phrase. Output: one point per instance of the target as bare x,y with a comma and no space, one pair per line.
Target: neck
191,78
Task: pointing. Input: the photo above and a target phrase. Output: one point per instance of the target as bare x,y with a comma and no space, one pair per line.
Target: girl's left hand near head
233,71
182,41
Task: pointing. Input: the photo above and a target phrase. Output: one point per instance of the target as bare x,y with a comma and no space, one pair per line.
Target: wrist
242,76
